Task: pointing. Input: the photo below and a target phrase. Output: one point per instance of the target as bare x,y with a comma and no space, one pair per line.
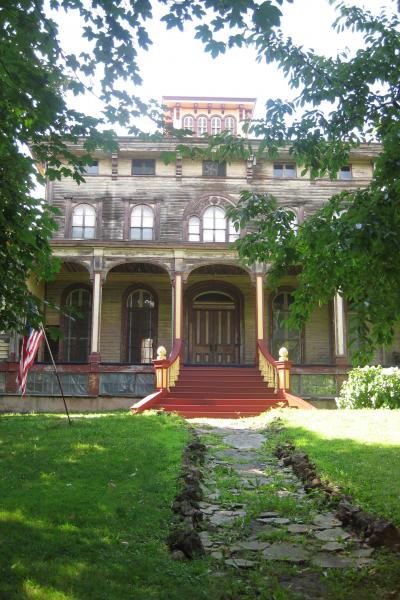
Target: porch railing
167,369
276,373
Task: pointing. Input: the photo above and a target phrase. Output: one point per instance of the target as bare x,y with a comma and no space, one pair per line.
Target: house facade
147,259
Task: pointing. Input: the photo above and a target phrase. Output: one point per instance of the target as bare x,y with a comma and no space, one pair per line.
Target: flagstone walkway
256,512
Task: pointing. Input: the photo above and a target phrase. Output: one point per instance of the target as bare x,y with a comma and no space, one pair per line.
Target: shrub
371,387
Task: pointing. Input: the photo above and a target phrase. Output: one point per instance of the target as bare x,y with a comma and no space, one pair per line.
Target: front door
213,331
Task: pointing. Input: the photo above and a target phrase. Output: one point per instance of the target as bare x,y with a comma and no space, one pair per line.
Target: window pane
78,210
148,221
278,170
230,124
136,233
147,233
345,172
77,232
90,220
208,235
188,123
77,219
194,237
92,169
290,170
143,166
88,233
215,125
201,125
136,221
208,223
220,235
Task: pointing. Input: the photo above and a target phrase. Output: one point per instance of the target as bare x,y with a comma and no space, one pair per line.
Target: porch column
177,307
260,307
96,318
339,330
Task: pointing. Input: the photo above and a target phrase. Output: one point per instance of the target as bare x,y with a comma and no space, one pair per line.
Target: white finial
283,354
161,353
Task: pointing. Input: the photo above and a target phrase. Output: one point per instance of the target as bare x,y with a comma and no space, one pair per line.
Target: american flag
30,345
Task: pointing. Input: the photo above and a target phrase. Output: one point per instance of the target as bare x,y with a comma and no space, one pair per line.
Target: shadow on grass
85,510
369,472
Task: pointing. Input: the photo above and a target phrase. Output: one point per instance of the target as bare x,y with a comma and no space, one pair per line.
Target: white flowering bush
371,387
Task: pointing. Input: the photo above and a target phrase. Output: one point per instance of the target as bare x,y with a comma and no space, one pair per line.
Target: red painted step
220,392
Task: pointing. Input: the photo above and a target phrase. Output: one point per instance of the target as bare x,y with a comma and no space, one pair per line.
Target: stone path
255,510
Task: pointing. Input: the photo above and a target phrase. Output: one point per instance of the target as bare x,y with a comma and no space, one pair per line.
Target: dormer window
142,223
216,125
83,222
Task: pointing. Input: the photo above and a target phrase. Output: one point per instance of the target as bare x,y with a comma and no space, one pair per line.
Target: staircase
220,392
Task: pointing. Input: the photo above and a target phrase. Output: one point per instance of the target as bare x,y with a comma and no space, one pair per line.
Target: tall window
141,327
201,125
284,170
213,168
194,229
83,222
282,335
142,223
188,123
143,166
233,235
214,225
216,125
77,328
229,125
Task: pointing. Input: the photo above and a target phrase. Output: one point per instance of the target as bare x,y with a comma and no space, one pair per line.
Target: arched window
214,225
142,223
188,122
201,125
83,222
229,125
216,125
194,229
141,326
77,328
282,335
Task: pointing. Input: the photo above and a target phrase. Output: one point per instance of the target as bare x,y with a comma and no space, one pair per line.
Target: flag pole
56,374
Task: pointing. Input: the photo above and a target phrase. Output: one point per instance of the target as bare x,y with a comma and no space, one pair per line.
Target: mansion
147,260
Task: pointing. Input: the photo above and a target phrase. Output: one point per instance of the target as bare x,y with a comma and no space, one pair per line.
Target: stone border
184,540
375,531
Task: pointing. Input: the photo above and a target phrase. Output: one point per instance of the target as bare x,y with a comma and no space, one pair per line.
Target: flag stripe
30,345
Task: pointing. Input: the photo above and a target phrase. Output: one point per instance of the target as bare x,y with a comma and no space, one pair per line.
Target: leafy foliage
371,387
351,245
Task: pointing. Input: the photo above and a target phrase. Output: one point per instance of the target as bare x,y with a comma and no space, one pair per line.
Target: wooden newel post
161,365
283,366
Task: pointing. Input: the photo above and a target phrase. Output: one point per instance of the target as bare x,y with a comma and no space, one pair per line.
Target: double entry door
214,336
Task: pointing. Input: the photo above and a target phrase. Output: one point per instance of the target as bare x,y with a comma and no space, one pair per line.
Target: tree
351,245
36,76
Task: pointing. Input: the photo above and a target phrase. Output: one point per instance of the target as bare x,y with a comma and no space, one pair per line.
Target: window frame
285,166
214,130
130,227
233,131
83,227
221,168
94,165
201,117
345,169
150,173
192,128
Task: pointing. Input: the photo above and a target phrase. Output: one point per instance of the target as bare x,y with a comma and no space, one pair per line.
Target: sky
178,65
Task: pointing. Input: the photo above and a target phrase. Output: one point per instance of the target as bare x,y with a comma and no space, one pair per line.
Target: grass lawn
357,449
85,510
